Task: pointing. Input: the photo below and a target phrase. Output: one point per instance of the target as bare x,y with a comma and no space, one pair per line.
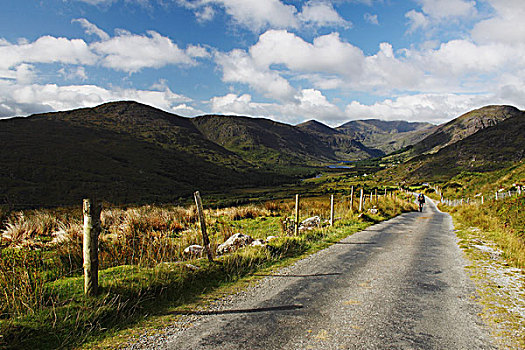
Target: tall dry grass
31,228
143,236
22,282
243,212
392,206
500,221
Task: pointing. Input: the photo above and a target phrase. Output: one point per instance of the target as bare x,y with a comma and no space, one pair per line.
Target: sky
287,60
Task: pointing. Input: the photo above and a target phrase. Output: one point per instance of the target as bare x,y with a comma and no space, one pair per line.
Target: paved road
400,284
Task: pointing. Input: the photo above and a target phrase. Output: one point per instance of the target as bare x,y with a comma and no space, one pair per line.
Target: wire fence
480,199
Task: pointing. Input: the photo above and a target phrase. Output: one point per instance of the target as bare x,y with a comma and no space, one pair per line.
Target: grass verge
134,295
492,237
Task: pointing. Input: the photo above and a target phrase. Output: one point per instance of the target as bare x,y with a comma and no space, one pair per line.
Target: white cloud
434,108
507,25
326,54
205,14
91,29
232,104
322,13
435,13
130,52
17,99
259,15
254,15
446,9
327,62
73,73
25,74
123,52
462,57
309,104
314,105
372,19
46,49
416,20
238,67
423,107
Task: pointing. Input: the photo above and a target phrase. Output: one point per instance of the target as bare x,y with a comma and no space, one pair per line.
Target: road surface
400,284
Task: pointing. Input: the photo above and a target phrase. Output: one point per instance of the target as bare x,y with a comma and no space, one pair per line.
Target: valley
128,152
145,164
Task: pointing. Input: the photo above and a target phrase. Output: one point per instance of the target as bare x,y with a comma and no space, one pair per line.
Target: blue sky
288,60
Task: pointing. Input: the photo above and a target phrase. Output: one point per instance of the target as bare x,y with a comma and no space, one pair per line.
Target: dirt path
400,284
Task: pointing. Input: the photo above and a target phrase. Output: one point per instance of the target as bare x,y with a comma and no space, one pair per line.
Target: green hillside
122,152
127,152
464,126
489,149
344,146
264,142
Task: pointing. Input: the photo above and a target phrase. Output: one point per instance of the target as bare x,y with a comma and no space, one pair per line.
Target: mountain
127,152
343,145
490,148
264,142
123,152
464,126
387,136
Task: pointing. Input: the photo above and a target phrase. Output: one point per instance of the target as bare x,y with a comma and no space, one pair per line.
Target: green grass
48,310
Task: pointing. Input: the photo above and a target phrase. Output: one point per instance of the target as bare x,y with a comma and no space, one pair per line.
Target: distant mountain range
387,136
342,145
127,152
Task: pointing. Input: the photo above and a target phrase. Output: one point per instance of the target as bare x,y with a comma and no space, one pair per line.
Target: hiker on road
421,200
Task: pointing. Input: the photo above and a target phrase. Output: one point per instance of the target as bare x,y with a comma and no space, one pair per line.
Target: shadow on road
239,311
355,243
299,276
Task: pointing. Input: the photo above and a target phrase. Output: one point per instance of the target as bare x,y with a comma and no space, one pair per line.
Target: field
143,268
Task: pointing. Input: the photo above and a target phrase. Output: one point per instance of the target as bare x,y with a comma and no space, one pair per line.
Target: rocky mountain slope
464,126
344,146
264,142
490,148
387,136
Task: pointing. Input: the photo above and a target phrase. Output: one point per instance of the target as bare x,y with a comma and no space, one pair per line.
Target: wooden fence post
91,211
361,201
202,220
296,214
332,210
352,199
